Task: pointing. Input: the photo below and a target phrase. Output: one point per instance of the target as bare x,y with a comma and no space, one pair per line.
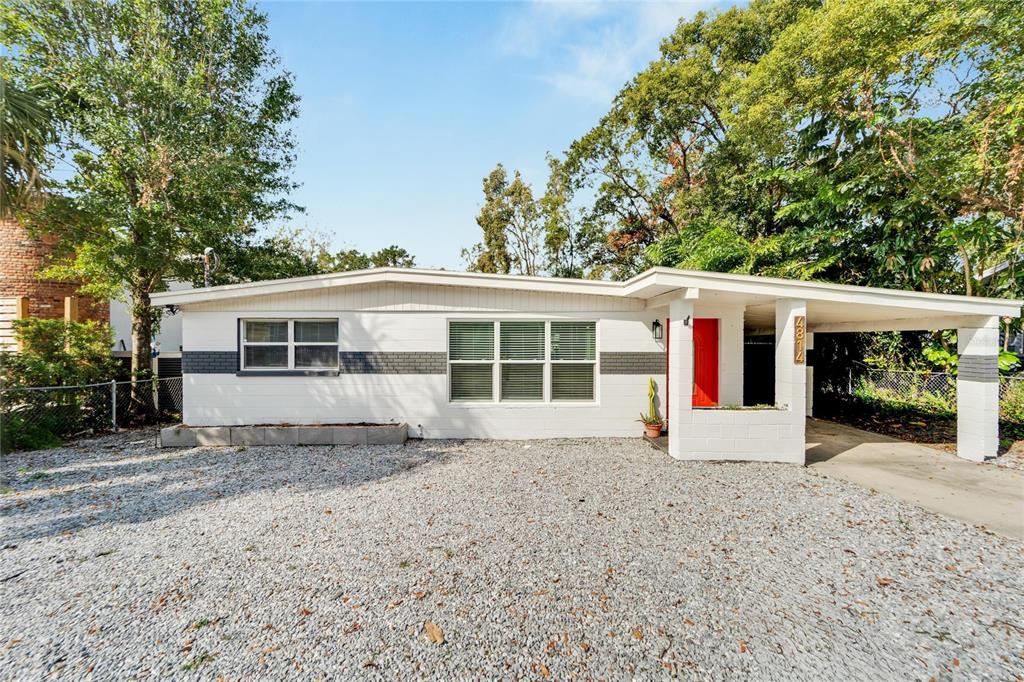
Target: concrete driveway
939,481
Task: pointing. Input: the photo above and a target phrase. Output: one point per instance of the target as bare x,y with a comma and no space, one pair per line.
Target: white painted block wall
977,402
772,435
421,400
403,319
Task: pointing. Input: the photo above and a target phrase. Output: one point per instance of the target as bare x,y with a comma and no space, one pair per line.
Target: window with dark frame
284,344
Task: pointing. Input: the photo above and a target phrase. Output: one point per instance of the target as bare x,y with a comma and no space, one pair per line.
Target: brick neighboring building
21,258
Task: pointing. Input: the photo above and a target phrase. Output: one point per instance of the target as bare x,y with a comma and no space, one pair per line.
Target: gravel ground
553,559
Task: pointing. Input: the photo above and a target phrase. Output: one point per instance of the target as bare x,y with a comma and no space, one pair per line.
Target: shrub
59,353
907,398
54,353
1011,403
19,431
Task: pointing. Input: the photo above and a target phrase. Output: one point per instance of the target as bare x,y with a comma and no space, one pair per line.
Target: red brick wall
21,257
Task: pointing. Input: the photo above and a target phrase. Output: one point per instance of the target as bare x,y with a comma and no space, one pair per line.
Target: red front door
705,362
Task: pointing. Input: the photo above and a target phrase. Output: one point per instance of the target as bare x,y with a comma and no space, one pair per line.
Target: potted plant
651,421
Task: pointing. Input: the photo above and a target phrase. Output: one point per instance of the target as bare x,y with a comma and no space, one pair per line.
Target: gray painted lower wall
375,362
209,362
410,362
350,362
984,368
632,363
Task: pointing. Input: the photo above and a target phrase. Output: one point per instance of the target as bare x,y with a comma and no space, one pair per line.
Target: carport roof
831,307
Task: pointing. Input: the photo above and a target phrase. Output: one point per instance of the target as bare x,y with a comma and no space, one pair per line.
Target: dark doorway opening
759,370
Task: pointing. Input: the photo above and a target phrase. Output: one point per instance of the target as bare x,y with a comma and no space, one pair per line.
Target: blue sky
407,106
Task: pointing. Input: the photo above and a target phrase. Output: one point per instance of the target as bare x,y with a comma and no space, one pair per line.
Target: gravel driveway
550,559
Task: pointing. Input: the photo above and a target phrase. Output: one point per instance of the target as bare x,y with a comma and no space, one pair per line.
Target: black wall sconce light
656,330
686,322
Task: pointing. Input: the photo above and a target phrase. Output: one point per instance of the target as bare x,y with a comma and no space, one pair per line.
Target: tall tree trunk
142,338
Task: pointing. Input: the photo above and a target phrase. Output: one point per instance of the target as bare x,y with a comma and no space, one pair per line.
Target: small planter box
325,434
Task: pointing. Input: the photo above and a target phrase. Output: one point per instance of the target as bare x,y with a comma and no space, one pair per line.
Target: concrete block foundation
333,434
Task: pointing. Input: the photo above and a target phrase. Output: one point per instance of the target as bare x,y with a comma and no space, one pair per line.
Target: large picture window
290,344
522,361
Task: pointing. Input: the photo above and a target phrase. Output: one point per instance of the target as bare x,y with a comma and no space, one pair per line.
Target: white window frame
548,371
493,362
290,343
497,362
545,373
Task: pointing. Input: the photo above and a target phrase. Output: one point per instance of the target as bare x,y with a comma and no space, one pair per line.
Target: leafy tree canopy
297,253
175,118
878,142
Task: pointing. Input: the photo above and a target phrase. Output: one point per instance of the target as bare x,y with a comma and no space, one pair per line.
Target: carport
794,312
988,496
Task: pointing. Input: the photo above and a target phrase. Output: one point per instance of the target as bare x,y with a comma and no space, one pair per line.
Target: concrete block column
977,392
790,375
680,374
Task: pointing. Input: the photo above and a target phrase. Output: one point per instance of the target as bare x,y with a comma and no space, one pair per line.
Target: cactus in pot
651,421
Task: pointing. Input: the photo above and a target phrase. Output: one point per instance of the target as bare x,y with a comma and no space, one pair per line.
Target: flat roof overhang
830,307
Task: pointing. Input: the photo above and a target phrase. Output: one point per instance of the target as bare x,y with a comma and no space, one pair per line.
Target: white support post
977,392
791,375
680,374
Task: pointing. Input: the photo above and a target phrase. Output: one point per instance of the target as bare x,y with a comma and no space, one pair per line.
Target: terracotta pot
652,430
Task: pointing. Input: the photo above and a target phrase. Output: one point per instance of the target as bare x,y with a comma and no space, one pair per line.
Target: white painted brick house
466,355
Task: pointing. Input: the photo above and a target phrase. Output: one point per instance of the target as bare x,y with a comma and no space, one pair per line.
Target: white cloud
589,50
531,26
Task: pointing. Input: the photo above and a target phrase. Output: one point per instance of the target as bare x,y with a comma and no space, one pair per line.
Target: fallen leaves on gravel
884,582
434,633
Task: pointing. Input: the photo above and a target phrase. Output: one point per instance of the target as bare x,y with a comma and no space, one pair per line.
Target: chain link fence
32,418
932,392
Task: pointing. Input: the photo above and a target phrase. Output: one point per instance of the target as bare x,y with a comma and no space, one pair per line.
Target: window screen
290,344
471,360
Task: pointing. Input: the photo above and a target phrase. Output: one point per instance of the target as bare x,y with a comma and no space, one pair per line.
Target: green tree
350,259
392,257
175,117
285,253
491,255
664,159
573,243
912,108
26,127
512,230
876,142
298,253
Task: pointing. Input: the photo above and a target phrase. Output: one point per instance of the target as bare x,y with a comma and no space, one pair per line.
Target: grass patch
198,662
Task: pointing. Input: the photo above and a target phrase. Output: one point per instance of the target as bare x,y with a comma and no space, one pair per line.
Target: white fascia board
656,282
383,275
772,287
